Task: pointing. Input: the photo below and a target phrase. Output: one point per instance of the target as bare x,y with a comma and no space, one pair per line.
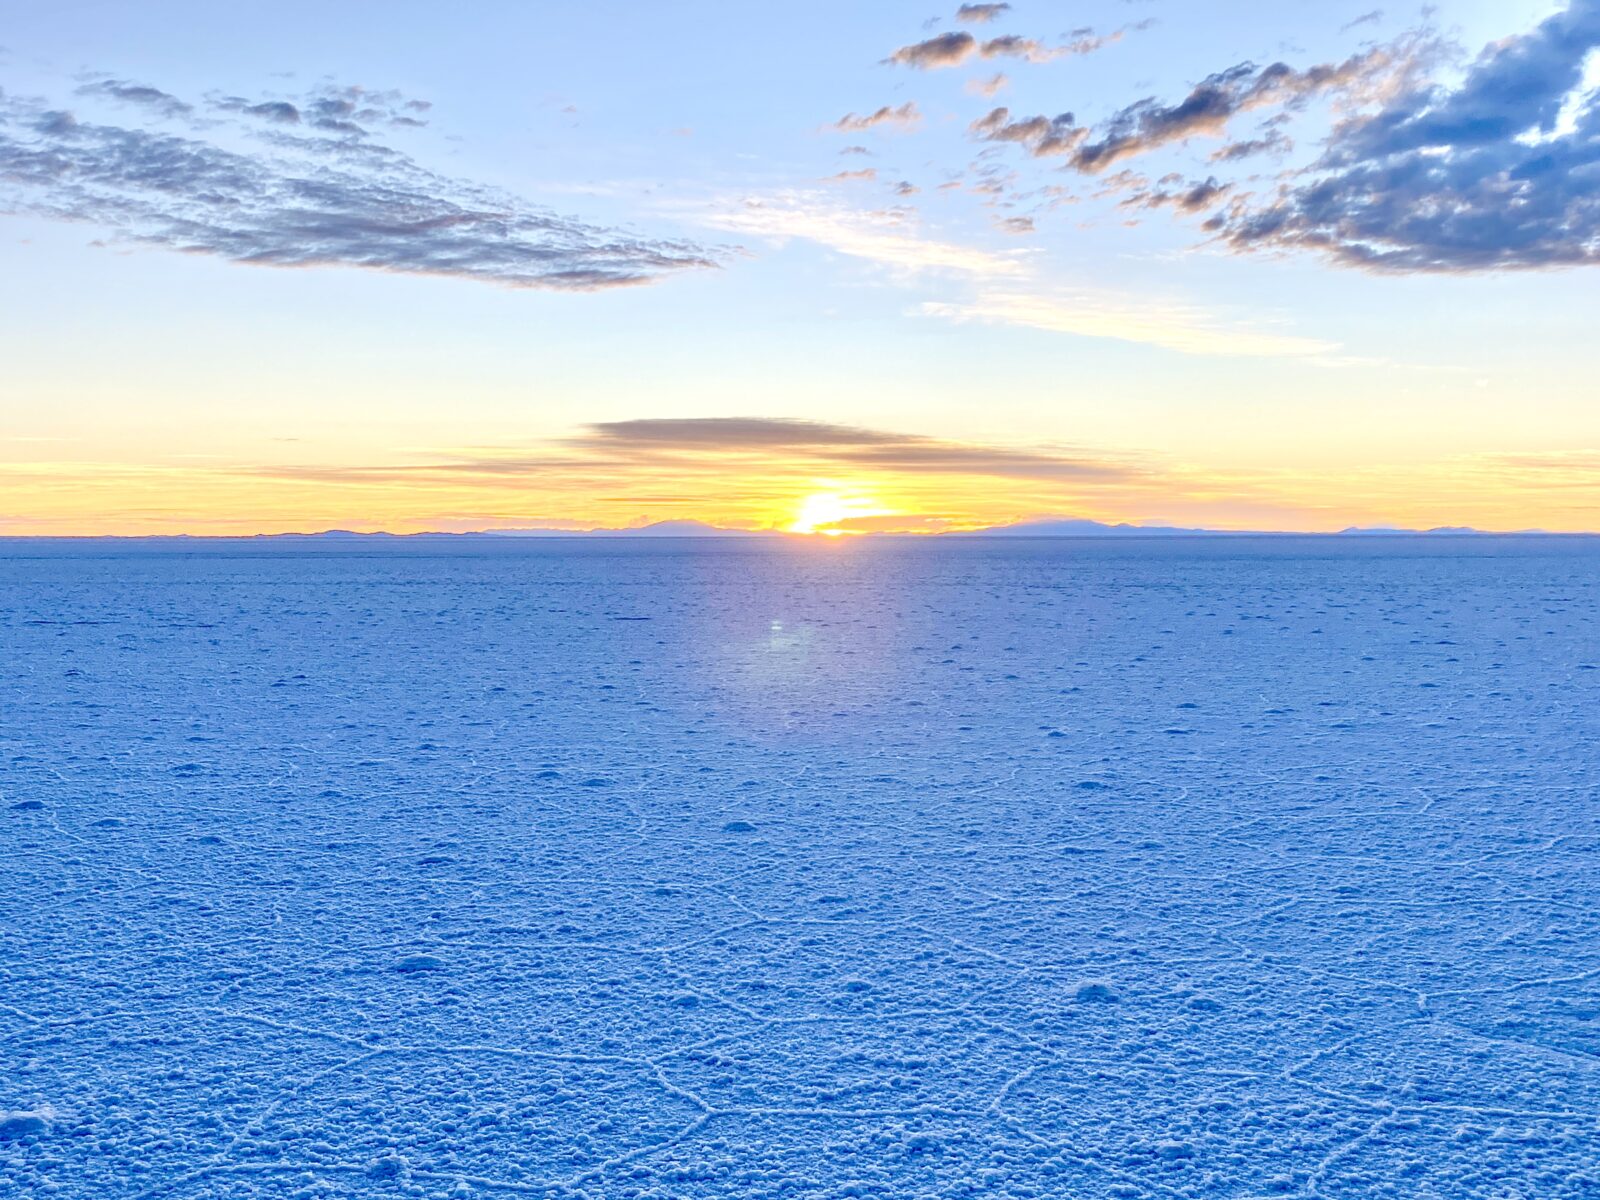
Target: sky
826,268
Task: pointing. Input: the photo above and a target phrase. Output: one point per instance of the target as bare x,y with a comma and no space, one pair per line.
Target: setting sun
825,512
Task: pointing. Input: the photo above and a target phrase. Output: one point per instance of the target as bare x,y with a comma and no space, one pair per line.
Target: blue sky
1014,300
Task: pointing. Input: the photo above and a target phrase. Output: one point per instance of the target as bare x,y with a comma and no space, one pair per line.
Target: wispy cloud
841,447
957,47
1172,326
757,471
749,471
1553,468
1008,288
904,116
889,237
1272,142
708,448
991,86
329,196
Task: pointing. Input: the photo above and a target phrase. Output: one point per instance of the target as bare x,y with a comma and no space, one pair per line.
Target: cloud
1273,142
906,116
953,49
160,102
1501,171
330,108
699,449
841,446
1007,290
1190,198
1011,45
1366,18
1172,326
1149,124
943,50
305,200
755,472
730,433
991,86
981,14
280,111
1043,136
1553,470
890,238
863,175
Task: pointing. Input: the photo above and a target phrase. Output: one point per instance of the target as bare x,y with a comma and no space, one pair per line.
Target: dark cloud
348,111
137,93
1500,171
980,14
1273,142
1143,126
1189,198
1043,136
1208,108
307,201
845,445
943,50
731,433
1012,46
905,115
279,111
705,452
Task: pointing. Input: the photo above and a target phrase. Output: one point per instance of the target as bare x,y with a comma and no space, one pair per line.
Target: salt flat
1210,868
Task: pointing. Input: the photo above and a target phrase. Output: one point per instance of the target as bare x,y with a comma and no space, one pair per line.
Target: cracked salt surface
1181,868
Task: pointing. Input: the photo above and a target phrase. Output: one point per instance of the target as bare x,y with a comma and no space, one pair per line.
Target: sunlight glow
828,512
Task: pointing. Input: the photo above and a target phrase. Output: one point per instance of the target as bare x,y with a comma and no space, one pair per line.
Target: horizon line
1084,531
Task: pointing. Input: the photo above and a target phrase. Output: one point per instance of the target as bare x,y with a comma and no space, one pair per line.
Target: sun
821,512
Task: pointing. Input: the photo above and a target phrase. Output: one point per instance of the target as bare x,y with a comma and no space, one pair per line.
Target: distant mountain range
1077,527
657,529
1082,528
1063,527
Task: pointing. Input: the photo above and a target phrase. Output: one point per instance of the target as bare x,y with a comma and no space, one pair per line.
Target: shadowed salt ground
1202,869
